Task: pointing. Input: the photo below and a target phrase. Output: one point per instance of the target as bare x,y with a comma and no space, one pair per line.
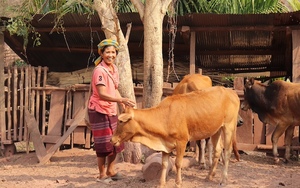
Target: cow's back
192,82
197,109
287,100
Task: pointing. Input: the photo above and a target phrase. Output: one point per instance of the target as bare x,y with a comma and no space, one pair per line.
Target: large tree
152,14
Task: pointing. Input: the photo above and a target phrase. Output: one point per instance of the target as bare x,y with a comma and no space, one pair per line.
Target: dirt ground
78,168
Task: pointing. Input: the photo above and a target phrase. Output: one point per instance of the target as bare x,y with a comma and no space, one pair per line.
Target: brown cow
276,104
195,82
182,118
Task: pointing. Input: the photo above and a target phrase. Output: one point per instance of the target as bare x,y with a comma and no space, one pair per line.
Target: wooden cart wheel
9,150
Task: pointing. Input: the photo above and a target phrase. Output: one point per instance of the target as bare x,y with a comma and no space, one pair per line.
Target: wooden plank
33,129
15,102
79,135
26,99
2,92
33,92
269,147
21,122
56,113
50,139
192,52
246,147
238,83
9,119
53,149
296,56
244,133
37,99
88,136
68,116
79,101
45,69
259,130
31,83
79,105
167,85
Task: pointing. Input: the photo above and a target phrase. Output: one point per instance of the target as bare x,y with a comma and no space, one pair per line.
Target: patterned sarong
102,129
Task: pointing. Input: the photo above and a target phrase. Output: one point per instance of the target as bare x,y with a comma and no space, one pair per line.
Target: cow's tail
234,146
235,149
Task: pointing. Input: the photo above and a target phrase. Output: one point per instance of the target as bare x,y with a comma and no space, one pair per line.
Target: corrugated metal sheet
224,43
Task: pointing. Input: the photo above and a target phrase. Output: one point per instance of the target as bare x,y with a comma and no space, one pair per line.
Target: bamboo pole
26,97
21,85
9,125
29,105
2,92
37,100
15,103
44,102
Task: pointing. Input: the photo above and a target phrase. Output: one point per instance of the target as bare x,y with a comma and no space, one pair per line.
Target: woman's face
109,55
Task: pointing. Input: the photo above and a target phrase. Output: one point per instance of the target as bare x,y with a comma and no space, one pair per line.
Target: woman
103,108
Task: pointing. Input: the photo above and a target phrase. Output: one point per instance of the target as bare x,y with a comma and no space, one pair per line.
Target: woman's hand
127,102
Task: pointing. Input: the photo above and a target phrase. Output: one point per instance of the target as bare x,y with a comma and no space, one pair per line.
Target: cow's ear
125,117
249,83
252,80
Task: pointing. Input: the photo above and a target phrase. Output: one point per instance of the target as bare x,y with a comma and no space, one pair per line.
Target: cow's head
249,83
247,87
126,128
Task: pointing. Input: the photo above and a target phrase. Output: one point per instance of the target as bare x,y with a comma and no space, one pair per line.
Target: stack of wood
64,79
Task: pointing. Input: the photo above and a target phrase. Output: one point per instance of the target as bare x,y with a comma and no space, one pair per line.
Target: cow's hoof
223,182
161,186
209,178
202,166
286,161
276,160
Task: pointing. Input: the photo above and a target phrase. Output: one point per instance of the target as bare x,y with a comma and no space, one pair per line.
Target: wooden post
296,55
26,98
8,103
288,54
21,85
44,101
15,102
192,52
2,91
296,58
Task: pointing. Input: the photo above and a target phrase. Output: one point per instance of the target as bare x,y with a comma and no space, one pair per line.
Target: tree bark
112,29
152,15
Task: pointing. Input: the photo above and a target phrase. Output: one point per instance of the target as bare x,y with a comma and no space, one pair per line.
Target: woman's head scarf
103,44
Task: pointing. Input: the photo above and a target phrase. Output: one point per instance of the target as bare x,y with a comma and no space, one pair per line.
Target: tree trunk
112,29
153,59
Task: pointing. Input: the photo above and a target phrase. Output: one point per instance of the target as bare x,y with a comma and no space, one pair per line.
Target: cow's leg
202,154
279,130
215,140
180,149
289,133
164,163
210,151
228,138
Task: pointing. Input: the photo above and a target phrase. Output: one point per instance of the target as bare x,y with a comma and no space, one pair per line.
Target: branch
140,7
129,26
165,5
